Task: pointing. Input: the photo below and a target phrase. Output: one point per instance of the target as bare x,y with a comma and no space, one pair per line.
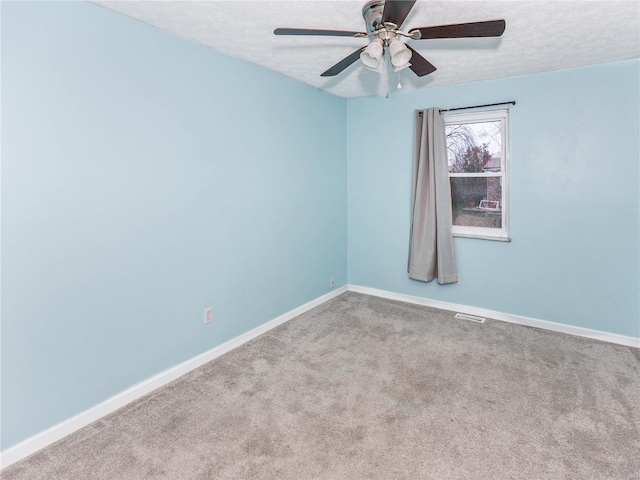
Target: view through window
477,154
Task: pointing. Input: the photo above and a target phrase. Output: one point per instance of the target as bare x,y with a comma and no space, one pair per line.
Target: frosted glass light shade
400,54
371,55
401,67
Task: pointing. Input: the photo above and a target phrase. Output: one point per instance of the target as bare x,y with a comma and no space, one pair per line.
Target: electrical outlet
208,315
332,282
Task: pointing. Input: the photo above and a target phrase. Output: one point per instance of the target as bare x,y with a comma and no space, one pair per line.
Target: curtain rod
512,102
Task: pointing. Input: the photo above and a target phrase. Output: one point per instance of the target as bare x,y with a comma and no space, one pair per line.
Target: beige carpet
366,388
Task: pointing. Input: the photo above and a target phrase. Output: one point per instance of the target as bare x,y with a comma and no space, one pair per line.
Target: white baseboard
61,430
505,317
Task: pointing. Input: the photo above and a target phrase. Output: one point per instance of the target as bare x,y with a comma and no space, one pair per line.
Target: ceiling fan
383,21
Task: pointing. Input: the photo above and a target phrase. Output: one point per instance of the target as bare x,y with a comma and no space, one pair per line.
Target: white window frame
501,234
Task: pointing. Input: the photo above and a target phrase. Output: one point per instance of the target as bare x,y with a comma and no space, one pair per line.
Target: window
477,152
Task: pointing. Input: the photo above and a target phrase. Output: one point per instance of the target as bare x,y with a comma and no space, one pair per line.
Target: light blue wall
144,178
574,198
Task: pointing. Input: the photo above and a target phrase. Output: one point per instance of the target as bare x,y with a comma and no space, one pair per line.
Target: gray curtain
431,240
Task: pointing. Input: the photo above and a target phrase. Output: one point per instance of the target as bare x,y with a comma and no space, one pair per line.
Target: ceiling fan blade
491,28
396,11
342,64
420,65
323,33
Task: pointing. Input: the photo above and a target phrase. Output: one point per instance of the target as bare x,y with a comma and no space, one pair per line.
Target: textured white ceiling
540,36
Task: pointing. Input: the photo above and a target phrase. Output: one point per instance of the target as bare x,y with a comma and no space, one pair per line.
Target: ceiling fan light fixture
400,54
372,55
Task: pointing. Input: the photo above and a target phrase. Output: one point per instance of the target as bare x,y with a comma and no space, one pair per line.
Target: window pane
474,147
477,201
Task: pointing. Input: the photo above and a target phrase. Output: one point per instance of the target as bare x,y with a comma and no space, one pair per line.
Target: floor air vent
471,318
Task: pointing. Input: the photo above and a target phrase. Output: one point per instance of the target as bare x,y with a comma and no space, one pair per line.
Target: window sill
482,237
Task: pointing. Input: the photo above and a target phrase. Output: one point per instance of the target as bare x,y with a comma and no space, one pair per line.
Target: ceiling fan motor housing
372,14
